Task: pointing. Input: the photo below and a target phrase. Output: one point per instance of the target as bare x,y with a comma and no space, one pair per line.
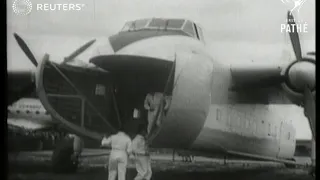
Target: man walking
152,104
142,157
120,148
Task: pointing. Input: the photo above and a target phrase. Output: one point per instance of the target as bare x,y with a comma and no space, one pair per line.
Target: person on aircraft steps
120,144
152,104
142,157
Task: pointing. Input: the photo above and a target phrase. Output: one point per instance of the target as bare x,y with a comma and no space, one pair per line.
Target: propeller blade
310,110
78,51
294,36
25,49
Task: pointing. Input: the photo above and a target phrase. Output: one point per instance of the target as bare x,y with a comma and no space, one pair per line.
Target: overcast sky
250,29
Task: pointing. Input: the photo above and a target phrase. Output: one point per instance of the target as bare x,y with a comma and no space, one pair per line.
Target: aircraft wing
20,123
256,76
260,84
20,84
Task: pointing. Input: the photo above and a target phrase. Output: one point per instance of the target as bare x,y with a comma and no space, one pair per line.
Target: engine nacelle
298,75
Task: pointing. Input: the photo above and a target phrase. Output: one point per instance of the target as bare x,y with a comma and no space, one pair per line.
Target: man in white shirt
152,103
120,149
142,157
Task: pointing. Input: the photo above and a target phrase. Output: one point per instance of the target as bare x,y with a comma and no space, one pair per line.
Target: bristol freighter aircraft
214,108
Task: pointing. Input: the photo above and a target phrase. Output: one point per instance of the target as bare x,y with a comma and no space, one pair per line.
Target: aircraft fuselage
203,114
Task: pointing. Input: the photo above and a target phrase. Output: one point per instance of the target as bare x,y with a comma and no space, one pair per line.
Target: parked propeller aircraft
29,113
27,118
214,108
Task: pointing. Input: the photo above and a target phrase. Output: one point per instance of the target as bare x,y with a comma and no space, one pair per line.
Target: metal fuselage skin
202,115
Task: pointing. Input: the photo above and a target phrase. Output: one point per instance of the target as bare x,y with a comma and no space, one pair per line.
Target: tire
312,172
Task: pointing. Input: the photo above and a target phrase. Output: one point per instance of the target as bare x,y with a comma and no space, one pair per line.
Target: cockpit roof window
188,28
135,25
138,24
158,23
127,26
165,24
200,33
175,23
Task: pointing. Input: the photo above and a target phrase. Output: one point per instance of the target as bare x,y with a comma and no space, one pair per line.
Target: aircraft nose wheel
312,172
63,160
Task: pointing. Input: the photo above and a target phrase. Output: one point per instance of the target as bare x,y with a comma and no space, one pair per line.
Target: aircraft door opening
138,82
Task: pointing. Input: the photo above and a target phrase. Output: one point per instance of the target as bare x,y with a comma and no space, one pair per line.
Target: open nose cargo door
81,98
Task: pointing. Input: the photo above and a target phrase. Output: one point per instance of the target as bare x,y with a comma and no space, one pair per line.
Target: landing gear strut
312,170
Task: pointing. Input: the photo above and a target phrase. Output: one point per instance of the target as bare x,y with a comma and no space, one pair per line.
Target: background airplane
29,113
30,126
222,108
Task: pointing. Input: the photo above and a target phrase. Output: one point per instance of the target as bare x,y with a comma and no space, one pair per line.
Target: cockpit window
175,23
135,25
138,24
127,26
188,28
158,23
200,33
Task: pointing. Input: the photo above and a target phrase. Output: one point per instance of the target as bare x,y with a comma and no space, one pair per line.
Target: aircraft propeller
78,51
25,49
309,85
309,100
30,88
30,55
